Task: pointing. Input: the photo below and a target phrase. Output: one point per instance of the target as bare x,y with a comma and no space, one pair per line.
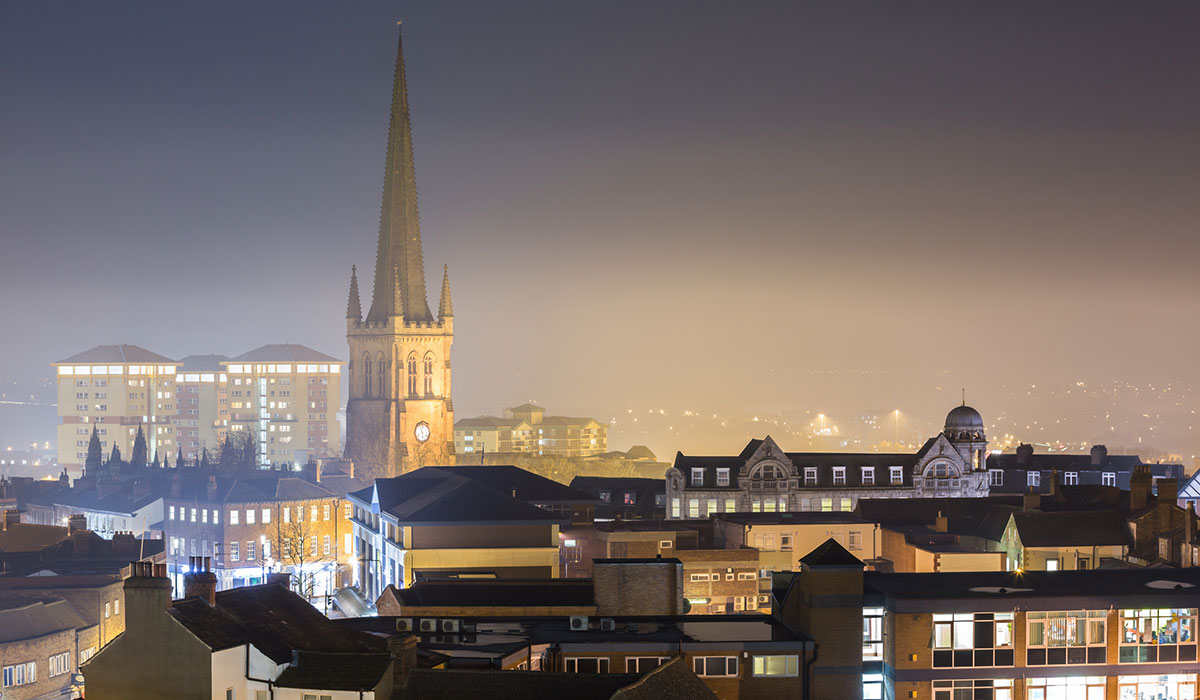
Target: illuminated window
1164,635
872,634
995,477
972,640
428,367
994,689
412,374
1033,479
776,665
1060,638
1108,479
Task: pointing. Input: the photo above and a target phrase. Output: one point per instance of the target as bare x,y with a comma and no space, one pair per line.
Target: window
723,477
643,664
1071,479
826,505
204,515
697,477
693,507
1175,686
675,508
966,640
1033,479
250,550
349,511
995,477
325,511
630,498
233,517
855,539
1157,636
117,606
1108,479
780,665
428,366
233,551
171,513
20,674
266,516
868,476
785,543
86,654
897,475
872,634
313,514
193,515
107,610
593,664
249,516
1057,638
327,546
846,505
746,576
810,476
313,544
872,686
60,664
711,507
287,514
697,578
715,666
992,689
839,476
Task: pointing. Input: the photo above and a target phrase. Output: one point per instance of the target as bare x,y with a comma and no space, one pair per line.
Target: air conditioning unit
579,622
449,626
764,599
430,626
607,624
404,624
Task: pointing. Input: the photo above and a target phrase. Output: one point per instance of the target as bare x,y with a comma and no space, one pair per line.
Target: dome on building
964,417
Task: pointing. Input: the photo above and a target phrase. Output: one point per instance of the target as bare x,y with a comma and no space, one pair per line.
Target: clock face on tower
421,432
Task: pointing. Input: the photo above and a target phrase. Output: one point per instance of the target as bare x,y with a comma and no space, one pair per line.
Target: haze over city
773,213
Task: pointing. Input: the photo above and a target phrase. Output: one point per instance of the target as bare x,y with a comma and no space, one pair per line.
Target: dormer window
723,477
697,476
810,476
839,476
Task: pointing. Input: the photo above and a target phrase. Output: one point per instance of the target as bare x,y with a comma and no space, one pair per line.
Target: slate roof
1081,528
830,553
824,462
451,684
497,593
529,487
790,518
271,618
296,489
27,537
203,363
434,495
964,514
27,616
670,681
284,353
1063,461
116,354
646,493
334,671
118,500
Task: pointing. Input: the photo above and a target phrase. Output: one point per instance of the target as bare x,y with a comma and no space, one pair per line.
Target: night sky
667,204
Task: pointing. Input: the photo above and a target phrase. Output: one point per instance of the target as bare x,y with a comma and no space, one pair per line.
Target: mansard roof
1063,461
203,363
823,462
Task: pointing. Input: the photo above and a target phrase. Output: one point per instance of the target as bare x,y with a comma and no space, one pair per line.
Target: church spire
399,226
445,307
353,305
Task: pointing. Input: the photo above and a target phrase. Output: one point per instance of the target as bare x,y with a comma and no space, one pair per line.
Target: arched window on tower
381,375
366,372
412,374
428,374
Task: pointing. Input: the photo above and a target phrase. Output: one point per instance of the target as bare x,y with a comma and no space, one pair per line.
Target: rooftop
116,354
284,352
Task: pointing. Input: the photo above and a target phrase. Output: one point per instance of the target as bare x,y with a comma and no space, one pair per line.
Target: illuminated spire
399,226
446,307
353,305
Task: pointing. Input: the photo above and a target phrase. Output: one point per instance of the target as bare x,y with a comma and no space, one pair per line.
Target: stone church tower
399,416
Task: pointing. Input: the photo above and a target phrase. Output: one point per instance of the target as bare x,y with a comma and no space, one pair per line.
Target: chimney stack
1189,526
1139,487
147,595
1099,454
1024,454
12,516
211,489
76,523
199,582
403,650
1168,489
942,523
282,578
1032,500
176,485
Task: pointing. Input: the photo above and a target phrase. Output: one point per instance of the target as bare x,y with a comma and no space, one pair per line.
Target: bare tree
296,545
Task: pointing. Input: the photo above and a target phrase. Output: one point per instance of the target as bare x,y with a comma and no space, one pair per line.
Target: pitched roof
116,354
451,684
292,488
830,553
27,616
284,352
335,671
823,462
1038,529
27,537
203,363
670,681
1151,583
522,484
437,495
271,618
527,408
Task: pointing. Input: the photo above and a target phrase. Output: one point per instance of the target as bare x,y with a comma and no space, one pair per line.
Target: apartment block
117,389
526,429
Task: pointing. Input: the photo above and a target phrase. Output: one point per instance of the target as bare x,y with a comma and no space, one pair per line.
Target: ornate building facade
765,479
399,415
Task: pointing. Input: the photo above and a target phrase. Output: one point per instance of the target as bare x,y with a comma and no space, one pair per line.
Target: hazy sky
640,202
